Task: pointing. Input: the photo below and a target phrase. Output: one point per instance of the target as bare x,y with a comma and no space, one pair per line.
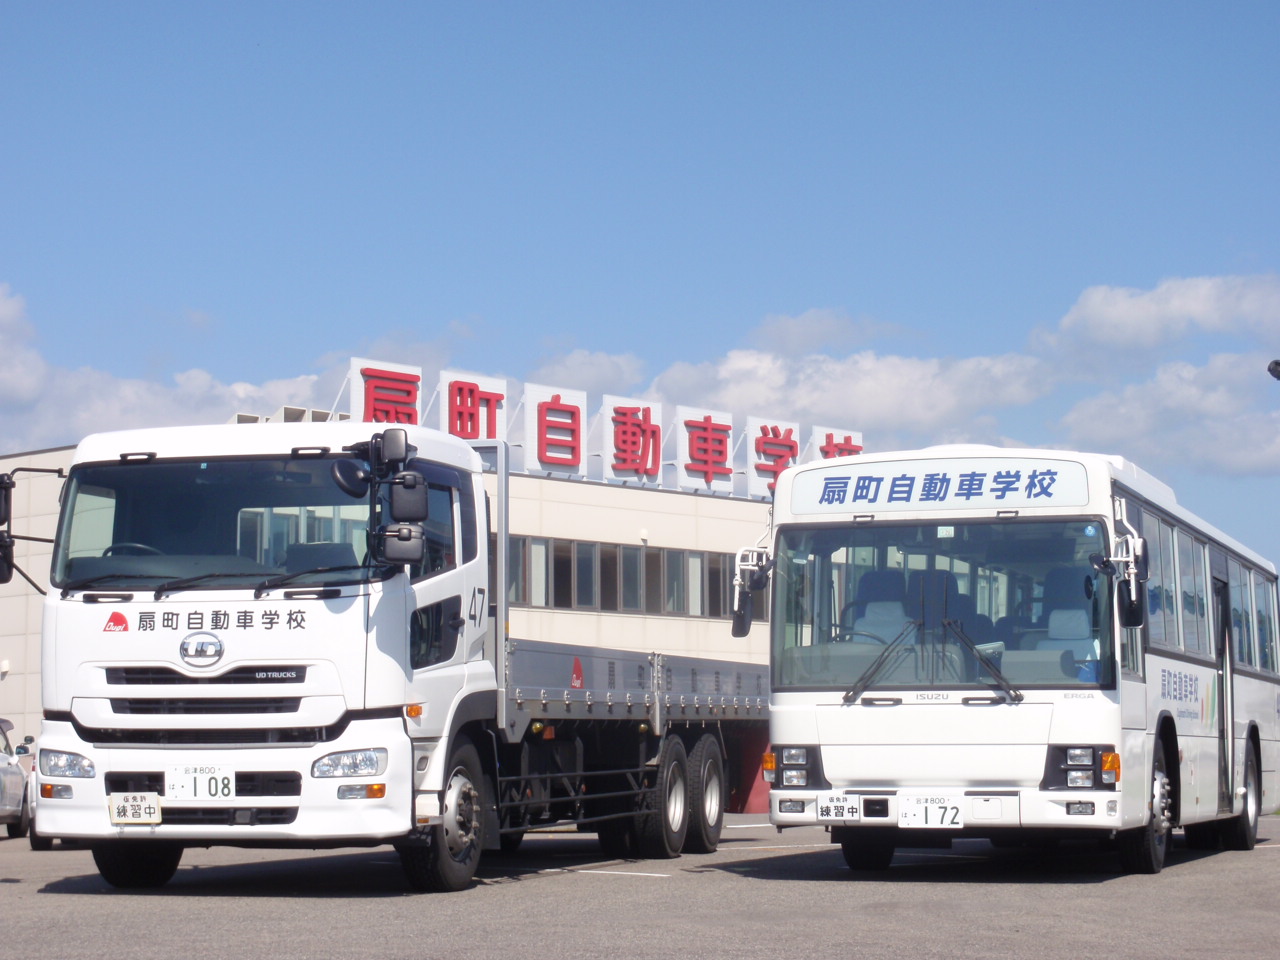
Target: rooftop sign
625,440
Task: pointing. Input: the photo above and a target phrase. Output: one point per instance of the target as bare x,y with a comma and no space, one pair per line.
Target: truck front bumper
259,795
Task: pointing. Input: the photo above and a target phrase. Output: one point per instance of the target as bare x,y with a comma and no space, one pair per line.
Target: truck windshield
961,605
204,524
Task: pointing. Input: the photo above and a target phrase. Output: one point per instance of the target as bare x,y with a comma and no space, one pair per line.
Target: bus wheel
1241,833
706,796
661,832
1143,849
866,852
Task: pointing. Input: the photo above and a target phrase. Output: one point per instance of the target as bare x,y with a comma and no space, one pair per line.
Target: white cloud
593,372
22,369
814,331
1122,317
890,398
1223,417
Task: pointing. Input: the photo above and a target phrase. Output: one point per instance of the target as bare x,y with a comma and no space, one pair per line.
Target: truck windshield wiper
878,664
988,664
284,578
102,578
171,585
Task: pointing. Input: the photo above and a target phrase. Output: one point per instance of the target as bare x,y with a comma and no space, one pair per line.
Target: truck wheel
1143,849
449,861
19,829
37,840
137,864
661,833
706,796
1241,833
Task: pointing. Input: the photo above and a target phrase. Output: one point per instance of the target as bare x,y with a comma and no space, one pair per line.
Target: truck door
449,586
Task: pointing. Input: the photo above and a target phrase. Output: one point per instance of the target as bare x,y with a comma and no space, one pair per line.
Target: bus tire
1241,832
866,852
661,832
449,861
137,864
1143,849
706,796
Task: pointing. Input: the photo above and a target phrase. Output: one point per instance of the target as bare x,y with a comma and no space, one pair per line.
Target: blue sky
1041,223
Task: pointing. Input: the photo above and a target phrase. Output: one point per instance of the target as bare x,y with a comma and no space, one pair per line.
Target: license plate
839,808
930,811
196,781
127,808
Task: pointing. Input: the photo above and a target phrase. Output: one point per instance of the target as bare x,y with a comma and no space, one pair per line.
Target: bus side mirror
742,613
1132,603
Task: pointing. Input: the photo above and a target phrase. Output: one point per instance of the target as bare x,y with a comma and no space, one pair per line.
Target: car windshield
202,524
992,605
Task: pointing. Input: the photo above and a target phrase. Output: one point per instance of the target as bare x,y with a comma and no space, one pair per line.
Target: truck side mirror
352,477
408,498
402,543
395,445
6,557
6,498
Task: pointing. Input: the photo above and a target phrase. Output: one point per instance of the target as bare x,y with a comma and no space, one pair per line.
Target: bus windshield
911,606
205,524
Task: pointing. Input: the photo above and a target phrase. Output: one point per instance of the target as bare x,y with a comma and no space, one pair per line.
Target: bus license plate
194,781
839,808
930,811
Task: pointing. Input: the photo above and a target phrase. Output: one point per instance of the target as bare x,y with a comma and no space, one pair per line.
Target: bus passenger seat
1071,631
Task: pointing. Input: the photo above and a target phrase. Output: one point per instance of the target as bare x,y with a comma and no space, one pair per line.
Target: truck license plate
125,808
194,781
930,811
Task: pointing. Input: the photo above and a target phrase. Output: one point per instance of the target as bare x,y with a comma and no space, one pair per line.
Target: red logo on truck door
575,681
116,623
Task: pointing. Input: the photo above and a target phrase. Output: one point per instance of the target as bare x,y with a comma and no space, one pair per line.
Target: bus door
1222,690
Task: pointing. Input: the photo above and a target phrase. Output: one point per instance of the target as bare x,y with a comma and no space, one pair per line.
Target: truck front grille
146,706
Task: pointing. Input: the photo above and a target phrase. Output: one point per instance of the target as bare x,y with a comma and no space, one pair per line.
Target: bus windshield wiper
988,664
878,664
171,585
272,582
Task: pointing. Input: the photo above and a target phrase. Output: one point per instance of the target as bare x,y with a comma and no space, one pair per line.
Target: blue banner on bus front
952,484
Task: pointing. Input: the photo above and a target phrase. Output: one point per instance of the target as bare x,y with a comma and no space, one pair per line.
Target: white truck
285,635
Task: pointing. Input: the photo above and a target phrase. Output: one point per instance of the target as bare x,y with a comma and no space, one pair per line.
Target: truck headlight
59,763
352,763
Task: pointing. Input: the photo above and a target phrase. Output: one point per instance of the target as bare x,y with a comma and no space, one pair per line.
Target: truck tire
1143,849
618,838
660,833
1241,832
706,796
137,864
449,861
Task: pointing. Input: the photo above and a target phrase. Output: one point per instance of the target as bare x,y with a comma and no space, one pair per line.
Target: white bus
1013,644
